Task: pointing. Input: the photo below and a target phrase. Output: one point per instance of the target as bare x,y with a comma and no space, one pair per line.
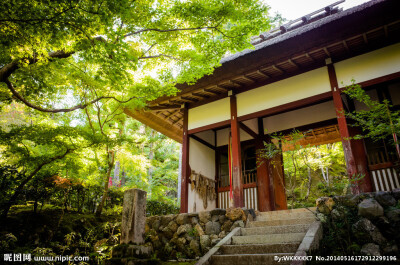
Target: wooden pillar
265,200
278,175
216,168
354,155
237,185
185,163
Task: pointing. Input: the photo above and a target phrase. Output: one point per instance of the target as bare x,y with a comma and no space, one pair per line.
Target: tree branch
159,55
10,68
80,106
166,30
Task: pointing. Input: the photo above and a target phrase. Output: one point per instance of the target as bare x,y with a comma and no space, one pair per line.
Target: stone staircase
276,233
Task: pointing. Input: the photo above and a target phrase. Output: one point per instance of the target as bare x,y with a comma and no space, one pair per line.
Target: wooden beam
237,185
365,38
197,94
278,69
249,78
157,123
164,108
172,113
248,130
195,137
354,163
327,52
185,164
262,73
211,92
346,46
210,127
310,57
235,83
293,63
178,120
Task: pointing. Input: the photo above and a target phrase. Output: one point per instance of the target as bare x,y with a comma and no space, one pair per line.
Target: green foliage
310,172
57,234
338,237
118,49
378,120
160,208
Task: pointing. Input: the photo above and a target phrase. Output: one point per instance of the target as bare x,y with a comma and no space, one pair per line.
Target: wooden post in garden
133,217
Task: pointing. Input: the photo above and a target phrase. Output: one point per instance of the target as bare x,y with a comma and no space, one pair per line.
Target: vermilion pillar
265,200
354,151
237,185
185,163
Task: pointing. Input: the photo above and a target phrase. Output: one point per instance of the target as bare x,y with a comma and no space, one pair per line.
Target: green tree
378,121
126,51
33,148
99,57
309,171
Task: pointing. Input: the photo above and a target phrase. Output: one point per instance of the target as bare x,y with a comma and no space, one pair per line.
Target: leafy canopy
61,55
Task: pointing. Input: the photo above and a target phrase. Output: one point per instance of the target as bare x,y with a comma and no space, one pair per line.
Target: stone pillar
133,217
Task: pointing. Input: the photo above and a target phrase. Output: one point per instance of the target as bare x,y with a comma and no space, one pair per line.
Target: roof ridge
299,22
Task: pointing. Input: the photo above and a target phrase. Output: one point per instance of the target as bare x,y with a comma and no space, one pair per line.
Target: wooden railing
383,173
249,193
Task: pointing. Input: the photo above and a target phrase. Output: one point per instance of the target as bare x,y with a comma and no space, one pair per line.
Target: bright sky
292,9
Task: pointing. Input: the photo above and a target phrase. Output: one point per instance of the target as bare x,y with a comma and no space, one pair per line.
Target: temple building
293,78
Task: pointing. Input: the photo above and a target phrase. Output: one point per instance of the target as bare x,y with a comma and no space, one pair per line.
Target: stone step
281,229
291,221
249,259
284,214
298,210
268,239
258,248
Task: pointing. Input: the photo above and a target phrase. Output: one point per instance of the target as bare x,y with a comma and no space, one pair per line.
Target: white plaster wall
207,136
369,66
209,113
285,91
223,136
316,113
252,124
201,160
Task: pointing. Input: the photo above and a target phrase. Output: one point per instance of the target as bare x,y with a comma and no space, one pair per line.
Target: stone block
370,208
133,217
385,199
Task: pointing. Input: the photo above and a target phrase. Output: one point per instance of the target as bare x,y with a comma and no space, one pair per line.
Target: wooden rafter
327,52
310,57
278,69
293,63
248,78
262,73
365,38
164,108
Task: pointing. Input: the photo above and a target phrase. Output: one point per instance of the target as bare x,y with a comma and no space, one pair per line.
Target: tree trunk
103,199
309,184
35,206
151,156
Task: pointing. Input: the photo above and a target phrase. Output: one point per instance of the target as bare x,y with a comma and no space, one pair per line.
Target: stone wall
364,224
191,235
